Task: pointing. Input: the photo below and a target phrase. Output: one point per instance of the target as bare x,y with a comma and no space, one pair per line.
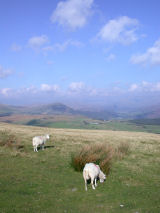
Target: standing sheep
39,141
92,171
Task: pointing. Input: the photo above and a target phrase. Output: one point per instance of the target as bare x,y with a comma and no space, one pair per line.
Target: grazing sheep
92,171
39,141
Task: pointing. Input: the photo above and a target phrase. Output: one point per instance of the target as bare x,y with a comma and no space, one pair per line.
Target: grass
45,182
97,153
81,122
10,140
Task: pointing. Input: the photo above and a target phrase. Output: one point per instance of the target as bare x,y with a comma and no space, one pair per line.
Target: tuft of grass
100,154
10,140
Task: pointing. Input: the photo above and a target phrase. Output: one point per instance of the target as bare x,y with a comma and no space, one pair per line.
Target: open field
45,182
82,122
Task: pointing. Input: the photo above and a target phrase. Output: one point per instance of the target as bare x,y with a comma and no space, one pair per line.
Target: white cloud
80,88
5,91
38,41
31,91
133,87
72,13
110,57
77,91
145,86
151,56
62,46
49,88
121,30
76,86
4,73
26,90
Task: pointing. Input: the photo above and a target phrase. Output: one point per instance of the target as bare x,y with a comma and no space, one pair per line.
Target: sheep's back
38,140
91,169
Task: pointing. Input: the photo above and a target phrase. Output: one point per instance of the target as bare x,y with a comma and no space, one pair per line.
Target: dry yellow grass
72,139
97,153
138,140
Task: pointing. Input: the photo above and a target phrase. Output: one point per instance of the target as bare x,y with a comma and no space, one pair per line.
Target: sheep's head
47,136
102,177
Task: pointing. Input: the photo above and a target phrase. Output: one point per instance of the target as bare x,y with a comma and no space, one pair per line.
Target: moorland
46,181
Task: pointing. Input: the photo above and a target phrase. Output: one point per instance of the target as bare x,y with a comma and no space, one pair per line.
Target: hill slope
55,109
99,113
45,181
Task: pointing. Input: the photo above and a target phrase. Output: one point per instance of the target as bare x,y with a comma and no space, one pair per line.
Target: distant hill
100,115
56,108
50,109
6,110
149,113
62,109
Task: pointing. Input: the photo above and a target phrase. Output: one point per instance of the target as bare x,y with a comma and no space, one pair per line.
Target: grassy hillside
82,122
45,182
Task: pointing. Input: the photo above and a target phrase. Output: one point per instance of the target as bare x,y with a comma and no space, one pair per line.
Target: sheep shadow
89,180
48,147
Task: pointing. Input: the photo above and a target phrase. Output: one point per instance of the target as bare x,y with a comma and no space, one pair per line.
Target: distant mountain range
61,109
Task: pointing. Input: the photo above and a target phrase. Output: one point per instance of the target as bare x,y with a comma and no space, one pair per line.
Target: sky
79,51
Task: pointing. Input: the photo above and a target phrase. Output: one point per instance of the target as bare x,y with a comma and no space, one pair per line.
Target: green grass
45,182
78,123
112,125
81,122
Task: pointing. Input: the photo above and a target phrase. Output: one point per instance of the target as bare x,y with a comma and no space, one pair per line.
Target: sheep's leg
43,146
95,182
85,184
36,149
92,180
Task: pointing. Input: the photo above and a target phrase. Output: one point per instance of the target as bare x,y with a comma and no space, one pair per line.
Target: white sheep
39,141
92,171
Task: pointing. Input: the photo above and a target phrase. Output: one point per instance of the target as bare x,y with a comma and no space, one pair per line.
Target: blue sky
78,50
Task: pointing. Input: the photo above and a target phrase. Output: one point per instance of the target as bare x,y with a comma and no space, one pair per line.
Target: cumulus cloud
72,13
76,86
145,86
81,89
5,91
66,44
121,30
62,46
31,91
49,88
38,41
77,91
4,73
151,56
133,87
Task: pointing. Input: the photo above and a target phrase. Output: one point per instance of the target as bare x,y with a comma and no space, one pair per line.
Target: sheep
39,141
92,171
